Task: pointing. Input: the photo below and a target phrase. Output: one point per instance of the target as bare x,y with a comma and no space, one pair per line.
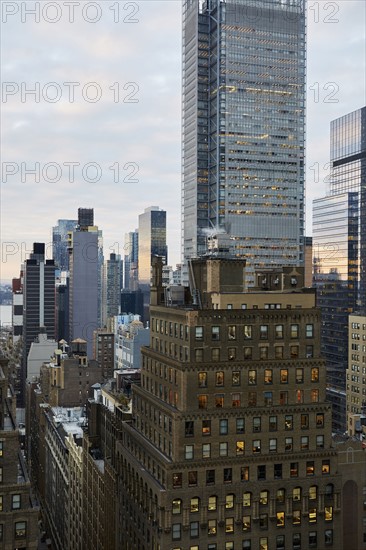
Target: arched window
281,495
296,493
313,492
247,499
195,504
229,501
329,490
176,506
263,497
212,503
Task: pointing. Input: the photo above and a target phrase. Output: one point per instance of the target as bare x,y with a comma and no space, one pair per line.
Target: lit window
247,499
195,504
310,468
235,400
312,515
240,447
328,513
315,374
263,543
229,501
229,525
289,422
212,503
284,376
280,495
320,420
248,332
280,519
202,401
313,492
252,377
268,376
1,448
244,473
296,493
246,523
176,506
304,443
206,427
256,446
315,396
235,378
263,497
325,467
202,379
231,332
219,400
219,378
20,529
296,517
211,527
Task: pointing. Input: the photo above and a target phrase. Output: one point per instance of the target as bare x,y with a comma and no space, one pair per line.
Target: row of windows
247,499
297,541
257,424
20,530
248,332
250,354
246,523
286,445
228,476
254,399
15,502
283,376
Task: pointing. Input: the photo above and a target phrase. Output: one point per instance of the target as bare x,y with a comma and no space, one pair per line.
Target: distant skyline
140,61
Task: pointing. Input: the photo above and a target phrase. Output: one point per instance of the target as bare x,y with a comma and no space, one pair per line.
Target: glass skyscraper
244,127
339,249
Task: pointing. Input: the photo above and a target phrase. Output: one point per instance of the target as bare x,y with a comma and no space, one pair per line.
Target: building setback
230,444
243,128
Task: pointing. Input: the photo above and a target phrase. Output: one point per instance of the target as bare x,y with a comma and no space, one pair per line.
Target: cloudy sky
104,121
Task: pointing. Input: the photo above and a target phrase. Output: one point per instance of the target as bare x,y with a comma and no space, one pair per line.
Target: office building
60,242
231,443
151,242
244,128
38,303
111,287
131,248
356,375
339,251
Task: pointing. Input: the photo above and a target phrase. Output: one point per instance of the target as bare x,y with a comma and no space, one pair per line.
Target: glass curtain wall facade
152,241
244,127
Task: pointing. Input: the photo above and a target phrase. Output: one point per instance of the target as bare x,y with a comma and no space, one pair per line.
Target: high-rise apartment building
230,444
356,374
339,250
60,242
244,128
38,302
111,287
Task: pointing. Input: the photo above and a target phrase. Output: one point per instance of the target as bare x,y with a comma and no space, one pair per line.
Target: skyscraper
243,127
152,241
131,248
111,287
339,248
59,242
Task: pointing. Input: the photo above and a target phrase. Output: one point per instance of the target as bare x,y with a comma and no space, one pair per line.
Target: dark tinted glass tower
244,127
59,243
339,249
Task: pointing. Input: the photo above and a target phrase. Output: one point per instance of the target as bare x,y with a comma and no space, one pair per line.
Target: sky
102,127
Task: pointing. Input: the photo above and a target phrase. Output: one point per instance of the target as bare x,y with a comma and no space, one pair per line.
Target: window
248,353
263,497
192,479
273,423
256,446
231,354
206,450
289,422
202,379
294,469
304,421
215,354
294,352
273,445
229,501
219,400
277,471
320,441
219,378
310,468
328,536
228,475
176,506
252,377
235,400
278,352
309,331
261,472
223,426
244,473
189,428
279,332
263,521
312,515
315,374
296,517
231,332
199,333
215,333
304,443
314,396
313,539
235,378
284,376
329,489
198,355
223,449
320,420
177,480
229,545
211,527
294,331
240,447
309,351
206,427
247,499
299,376
202,401
296,493
283,397
325,467
246,523
210,477
267,398
263,332
252,399
248,332
229,525
240,426
212,503
280,519
1,448
256,424
268,376
188,452
328,513
313,492
299,396
280,542
195,504
263,353
20,529
288,444
263,543
280,495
